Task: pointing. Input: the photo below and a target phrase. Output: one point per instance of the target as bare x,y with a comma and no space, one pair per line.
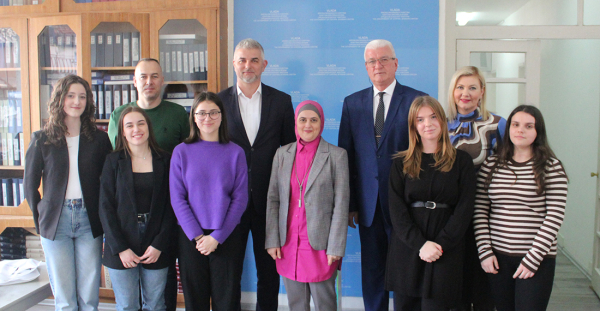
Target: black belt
429,204
143,218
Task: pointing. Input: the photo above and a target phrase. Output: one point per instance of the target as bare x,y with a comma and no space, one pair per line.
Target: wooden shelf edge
113,68
10,69
59,68
187,82
12,167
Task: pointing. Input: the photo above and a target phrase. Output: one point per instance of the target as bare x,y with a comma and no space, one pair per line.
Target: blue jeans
74,259
126,285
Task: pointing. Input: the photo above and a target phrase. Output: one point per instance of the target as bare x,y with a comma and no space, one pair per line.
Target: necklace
300,183
144,157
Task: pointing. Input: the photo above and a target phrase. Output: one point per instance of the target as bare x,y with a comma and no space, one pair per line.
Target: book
109,50
108,98
125,93
116,96
16,149
127,49
135,48
93,49
100,50
118,49
7,194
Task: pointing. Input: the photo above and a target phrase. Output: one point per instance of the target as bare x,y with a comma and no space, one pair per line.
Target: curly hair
56,129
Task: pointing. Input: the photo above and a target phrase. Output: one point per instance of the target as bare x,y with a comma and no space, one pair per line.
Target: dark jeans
267,291
214,276
530,294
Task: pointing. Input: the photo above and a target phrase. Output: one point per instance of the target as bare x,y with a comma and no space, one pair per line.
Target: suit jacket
118,211
276,129
51,163
370,164
326,198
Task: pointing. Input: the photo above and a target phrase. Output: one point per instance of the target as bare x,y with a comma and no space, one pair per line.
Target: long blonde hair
466,72
445,153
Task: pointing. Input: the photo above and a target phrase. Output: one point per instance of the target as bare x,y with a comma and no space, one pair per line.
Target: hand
206,245
490,265
275,252
523,273
430,251
129,258
150,256
331,259
352,219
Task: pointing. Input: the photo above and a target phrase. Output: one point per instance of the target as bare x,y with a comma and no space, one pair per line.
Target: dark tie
379,118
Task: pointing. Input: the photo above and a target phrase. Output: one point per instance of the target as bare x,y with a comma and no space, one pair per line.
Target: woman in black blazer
68,155
136,214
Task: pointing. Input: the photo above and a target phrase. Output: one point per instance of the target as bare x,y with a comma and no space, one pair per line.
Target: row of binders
17,243
111,92
18,2
9,48
183,57
58,47
11,128
12,192
120,49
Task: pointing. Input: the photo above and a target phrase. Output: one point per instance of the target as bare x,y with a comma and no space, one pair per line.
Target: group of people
454,213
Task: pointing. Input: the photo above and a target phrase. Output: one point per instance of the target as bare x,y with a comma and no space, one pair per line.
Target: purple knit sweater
209,187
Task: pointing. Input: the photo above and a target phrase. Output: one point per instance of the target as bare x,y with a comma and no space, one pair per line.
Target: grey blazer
326,198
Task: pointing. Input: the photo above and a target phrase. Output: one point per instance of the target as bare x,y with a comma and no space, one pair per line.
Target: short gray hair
250,44
379,43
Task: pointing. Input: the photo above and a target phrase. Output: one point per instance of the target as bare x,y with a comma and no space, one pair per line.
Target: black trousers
530,294
214,276
476,285
171,287
267,291
407,303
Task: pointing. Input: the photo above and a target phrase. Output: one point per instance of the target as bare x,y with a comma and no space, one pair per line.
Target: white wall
570,101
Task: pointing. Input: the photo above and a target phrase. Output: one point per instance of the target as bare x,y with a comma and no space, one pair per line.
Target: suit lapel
264,112
392,111
237,116
287,167
125,170
320,158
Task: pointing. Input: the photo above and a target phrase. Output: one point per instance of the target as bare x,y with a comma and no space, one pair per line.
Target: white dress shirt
73,184
250,111
387,98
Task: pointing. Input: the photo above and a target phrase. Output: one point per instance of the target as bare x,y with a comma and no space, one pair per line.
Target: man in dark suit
373,127
260,120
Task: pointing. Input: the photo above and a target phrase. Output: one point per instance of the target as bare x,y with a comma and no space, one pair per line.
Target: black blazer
118,211
51,163
276,129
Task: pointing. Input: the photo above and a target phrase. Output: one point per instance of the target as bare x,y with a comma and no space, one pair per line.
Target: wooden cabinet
195,30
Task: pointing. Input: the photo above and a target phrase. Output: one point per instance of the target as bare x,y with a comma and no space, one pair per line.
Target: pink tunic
299,261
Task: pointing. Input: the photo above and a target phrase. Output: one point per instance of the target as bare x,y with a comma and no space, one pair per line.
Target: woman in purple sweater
209,193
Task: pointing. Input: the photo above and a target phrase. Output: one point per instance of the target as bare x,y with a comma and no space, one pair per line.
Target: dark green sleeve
112,126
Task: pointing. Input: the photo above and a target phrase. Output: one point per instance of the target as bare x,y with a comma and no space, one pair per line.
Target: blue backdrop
315,50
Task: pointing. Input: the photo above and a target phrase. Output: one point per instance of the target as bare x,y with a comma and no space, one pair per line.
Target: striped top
479,138
510,218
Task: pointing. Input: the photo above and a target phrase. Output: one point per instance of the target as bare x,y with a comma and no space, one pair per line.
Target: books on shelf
115,49
11,128
111,91
187,54
12,192
9,49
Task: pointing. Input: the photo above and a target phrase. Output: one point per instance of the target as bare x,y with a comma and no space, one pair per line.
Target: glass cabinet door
183,55
57,59
115,51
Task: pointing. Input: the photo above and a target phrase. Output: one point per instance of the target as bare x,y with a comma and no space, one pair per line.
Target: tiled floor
571,291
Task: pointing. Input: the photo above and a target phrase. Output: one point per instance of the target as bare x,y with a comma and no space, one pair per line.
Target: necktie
379,118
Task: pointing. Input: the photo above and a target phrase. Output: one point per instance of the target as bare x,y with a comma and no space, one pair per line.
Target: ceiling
489,12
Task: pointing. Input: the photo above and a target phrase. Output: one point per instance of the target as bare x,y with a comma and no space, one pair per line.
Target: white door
511,69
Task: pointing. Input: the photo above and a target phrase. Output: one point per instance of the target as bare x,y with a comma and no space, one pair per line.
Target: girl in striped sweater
519,208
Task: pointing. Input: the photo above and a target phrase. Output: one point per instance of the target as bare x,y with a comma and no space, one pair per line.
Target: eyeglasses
383,61
214,114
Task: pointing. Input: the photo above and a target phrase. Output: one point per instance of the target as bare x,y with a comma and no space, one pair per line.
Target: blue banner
315,50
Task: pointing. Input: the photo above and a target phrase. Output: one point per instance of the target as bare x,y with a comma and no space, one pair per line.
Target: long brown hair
195,131
444,155
542,153
121,142
56,129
